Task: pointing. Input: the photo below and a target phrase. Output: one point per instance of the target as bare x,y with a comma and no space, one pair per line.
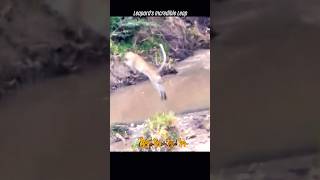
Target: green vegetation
120,48
161,127
125,29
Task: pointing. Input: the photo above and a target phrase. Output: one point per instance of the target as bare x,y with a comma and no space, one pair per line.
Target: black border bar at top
127,7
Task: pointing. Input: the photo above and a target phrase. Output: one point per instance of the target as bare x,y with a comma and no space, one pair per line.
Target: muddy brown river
187,91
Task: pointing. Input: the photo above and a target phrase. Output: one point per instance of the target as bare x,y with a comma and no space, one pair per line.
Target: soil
36,43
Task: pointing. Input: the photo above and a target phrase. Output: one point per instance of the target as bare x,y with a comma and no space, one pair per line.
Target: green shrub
161,126
122,31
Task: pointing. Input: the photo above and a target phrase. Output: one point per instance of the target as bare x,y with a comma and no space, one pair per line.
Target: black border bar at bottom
161,165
